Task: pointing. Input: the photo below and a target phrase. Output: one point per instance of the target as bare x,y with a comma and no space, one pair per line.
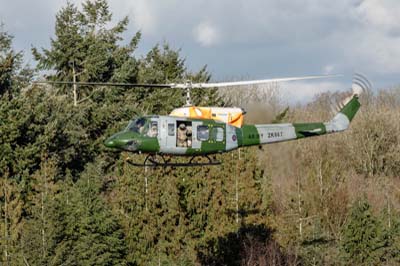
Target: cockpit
145,126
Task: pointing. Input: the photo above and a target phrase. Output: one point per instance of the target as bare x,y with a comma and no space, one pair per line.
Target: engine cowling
230,115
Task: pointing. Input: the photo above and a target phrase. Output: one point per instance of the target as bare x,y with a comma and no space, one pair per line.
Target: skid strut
154,161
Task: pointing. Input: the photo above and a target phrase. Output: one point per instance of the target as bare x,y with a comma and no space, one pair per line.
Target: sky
248,39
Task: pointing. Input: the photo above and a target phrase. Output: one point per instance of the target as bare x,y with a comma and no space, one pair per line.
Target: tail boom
271,133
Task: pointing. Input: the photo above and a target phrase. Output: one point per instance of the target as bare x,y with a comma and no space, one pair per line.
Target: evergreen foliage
66,200
12,75
364,239
90,233
84,45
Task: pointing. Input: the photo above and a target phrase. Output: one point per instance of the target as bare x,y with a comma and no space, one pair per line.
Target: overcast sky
246,39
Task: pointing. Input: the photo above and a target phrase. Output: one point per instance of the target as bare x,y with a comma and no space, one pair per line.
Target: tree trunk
75,86
6,255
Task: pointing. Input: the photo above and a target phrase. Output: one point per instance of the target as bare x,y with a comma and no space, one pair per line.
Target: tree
39,226
162,64
89,233
11,213
85,49
12,76
364,240
7,62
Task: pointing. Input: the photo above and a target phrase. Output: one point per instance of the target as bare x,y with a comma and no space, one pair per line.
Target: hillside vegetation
67,200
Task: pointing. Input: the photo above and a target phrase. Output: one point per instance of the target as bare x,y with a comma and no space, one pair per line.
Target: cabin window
217,133
171,129
202,133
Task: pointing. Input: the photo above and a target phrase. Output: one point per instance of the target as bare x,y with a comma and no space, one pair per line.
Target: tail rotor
361,84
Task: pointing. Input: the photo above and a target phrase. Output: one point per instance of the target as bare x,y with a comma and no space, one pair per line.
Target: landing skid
154,161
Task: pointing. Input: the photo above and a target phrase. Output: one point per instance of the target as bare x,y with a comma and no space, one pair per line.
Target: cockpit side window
139,125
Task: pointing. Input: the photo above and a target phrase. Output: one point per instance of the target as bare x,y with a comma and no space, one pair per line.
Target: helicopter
203,132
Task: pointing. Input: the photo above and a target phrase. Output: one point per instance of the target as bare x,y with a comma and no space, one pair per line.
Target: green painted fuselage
187,137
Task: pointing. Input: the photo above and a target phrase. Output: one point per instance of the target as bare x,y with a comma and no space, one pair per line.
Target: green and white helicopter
198,132
203,131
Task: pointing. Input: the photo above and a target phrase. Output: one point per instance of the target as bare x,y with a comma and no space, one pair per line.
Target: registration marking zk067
275,134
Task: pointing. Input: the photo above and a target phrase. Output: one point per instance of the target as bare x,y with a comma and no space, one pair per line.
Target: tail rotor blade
360,84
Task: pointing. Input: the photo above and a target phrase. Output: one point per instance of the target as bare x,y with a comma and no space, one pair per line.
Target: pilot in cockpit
153,132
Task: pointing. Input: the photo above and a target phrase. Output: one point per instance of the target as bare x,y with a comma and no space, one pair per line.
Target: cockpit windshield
146,126
139,125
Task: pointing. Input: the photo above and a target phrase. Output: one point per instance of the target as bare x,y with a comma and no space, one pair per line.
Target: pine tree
363,240
162,64
86,49
12,75
9,61
90,233
394,240
11,214
39,226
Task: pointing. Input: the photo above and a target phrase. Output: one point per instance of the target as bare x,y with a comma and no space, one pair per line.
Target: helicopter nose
119,141
110,143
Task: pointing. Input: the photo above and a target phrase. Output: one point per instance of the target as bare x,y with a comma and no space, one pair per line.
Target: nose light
109,143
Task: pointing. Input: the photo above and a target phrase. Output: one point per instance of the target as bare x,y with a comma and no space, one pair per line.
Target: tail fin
348,108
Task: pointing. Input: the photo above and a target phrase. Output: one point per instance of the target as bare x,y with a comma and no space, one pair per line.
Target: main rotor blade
111,84
188,84
254,82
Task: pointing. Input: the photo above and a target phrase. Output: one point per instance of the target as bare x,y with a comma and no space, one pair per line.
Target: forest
65,199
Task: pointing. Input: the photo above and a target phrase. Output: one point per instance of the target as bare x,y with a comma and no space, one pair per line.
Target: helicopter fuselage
169,135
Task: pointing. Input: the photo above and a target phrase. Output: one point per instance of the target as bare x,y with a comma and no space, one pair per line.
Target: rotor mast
188,86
